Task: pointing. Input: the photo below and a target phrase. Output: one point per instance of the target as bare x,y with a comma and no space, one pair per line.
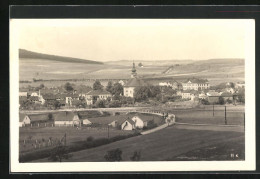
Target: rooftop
134,82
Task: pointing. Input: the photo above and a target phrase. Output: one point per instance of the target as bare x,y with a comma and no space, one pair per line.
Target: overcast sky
108,40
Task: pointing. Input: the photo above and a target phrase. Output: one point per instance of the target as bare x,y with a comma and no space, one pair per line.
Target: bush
114,155
136,156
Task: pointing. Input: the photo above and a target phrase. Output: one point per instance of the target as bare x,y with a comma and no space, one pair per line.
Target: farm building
67,119
23,120
128,124
33,118
139,123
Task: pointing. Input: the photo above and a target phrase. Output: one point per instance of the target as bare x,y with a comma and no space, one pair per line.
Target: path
157,128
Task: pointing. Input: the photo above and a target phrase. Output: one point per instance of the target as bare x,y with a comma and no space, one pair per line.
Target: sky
129,39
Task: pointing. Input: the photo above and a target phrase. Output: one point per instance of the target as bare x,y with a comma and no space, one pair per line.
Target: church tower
134,74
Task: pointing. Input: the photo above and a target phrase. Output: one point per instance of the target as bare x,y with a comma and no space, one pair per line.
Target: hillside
25,54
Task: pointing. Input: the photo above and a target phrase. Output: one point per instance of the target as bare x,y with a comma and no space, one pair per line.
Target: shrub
114,155
136,156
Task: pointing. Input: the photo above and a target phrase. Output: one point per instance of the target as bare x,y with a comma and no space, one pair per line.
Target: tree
221,100
59,153
68,87
114,155
50,117
117,89
109,86
140,64
41,86
114,104
155,90
97,85
136,156
141,93
100,104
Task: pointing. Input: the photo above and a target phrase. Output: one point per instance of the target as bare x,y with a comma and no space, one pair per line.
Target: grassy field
234,115
223,71
56,133
159,146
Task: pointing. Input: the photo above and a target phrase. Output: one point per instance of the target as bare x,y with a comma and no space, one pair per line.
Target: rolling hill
25,54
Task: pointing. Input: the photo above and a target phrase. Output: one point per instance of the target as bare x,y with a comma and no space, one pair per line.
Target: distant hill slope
34,55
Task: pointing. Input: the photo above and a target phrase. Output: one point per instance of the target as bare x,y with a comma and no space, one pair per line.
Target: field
234,115
223,71
56,133
159,146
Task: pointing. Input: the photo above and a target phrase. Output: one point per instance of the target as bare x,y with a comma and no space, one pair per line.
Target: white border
248,164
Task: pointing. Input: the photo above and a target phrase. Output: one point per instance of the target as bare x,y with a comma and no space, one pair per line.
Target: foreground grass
233,150
158,146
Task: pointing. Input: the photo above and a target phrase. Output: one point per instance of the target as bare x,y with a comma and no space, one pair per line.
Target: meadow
158,146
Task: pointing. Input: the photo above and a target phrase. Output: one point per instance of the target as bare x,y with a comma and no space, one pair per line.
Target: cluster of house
195,88
128,122
48,96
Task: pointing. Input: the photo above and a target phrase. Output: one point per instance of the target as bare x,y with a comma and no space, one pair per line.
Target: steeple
134,74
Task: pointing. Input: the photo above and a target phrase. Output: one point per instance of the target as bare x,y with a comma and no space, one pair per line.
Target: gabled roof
48,96
196,80
38,117
134,82
65,116
98,92
213,94
130,121
21,117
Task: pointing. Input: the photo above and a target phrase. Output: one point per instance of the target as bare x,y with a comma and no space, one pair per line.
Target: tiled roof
38,117
48,96
21,117
65,116
98,92
134,82
196,80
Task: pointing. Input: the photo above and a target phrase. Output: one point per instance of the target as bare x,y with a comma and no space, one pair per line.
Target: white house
195,84
67,119
139,123
128,124
188,94
24,119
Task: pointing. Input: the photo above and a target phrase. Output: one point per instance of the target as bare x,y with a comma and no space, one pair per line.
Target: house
67,119
83,92
213,97
86,122
23,94
128,124
33,93
132,83
189,94
196,84
70,98
92,96
167,84
47,98
240,85
139,123
23,120
203,96
33,118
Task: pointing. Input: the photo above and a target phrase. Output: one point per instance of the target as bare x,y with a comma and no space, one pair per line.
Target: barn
23,120
67,119
128,124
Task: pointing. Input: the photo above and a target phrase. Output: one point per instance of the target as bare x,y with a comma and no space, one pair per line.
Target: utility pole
225,116
213,109
65,139
244,122
108,131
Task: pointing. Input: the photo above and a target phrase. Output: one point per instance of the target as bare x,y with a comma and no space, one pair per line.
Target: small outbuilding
128,124
23,120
